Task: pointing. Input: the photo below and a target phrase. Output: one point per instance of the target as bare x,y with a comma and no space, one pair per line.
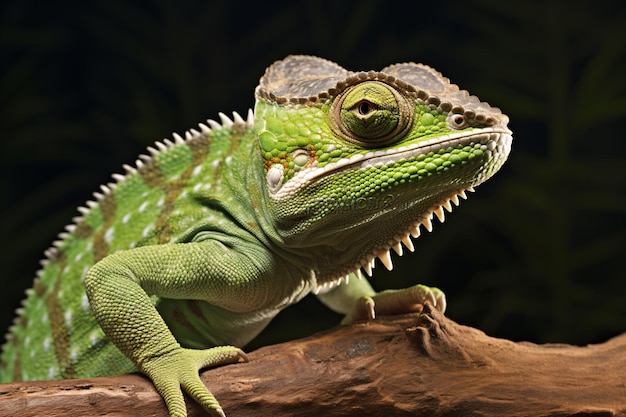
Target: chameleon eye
364,107
371,114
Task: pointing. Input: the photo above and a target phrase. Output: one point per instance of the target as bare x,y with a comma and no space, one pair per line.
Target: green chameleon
193,251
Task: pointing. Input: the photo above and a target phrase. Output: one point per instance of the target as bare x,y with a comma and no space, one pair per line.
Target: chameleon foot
179,368
406,300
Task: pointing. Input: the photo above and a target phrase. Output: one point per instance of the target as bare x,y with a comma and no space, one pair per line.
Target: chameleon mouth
494,140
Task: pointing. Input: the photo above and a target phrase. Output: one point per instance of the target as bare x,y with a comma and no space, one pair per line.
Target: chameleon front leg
119,289
358,300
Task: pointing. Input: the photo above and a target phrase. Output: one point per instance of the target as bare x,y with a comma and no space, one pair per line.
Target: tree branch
413,365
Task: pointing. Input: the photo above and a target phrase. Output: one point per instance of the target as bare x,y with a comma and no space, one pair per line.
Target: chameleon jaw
383,253
495,140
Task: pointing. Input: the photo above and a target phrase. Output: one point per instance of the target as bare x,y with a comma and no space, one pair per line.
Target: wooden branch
413,365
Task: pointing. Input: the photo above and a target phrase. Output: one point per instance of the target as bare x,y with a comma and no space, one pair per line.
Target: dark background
537,254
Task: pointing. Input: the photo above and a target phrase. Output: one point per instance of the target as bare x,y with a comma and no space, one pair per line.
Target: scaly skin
188,256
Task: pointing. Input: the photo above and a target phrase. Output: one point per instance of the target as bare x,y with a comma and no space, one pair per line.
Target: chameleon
178,263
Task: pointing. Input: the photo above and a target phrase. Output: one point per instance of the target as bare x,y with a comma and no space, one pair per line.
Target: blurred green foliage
535,255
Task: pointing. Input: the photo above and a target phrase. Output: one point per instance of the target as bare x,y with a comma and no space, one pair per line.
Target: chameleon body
195,249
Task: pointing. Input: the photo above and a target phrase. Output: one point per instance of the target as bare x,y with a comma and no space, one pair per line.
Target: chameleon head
357,162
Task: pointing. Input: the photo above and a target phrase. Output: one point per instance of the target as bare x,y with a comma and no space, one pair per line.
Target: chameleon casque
193,251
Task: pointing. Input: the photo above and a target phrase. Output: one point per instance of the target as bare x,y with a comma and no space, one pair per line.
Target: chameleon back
163,200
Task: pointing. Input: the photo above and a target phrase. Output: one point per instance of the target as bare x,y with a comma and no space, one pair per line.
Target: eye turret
371,114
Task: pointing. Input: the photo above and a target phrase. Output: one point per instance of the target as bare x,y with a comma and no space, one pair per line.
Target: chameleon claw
440,300
369,307
433,296
430,298
364,309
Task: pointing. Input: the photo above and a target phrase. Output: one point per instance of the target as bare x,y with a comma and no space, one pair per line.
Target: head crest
303,79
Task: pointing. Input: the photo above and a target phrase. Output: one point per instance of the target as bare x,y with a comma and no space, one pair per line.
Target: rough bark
413,365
